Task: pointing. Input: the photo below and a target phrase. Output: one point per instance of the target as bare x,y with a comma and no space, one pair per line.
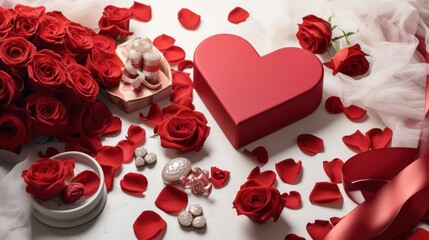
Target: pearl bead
140,152
196,209
150,158
176,169
199,222
139,161
184,218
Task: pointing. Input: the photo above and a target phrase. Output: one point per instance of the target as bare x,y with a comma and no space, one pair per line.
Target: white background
121,210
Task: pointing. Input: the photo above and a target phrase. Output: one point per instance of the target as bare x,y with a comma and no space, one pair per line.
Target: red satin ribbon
395,184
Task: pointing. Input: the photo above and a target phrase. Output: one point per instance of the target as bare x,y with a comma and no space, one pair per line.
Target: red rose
9,88
14,128
350,61
92,119
16,51
26,27
29,12
46,71
115,22
79,38
80,80
46,177
185,130
106,67
48,113
314,34
66,54
258,202
7,19
51,32
103,42
72,193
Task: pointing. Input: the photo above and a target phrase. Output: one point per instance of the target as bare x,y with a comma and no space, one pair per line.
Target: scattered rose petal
309,143
182,87
50,151
134,183
109,175
154,116
163,42
288,170
334,105
127,148
266,178
238,15
333,169
419,234
188,19
148,225
218,177
259,154
110,156
89,179
293,200
292,236
115,127
319,229
141,12
335,220
136,134
354,112
378,138
324,192
357,142
185,64
174,54
172,200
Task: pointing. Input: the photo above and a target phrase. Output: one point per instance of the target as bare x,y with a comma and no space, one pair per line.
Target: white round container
51,213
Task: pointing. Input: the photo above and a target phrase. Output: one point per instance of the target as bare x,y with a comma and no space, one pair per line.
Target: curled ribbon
198,181
395,184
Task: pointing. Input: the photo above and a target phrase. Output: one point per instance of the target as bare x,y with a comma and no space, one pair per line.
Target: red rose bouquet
50,68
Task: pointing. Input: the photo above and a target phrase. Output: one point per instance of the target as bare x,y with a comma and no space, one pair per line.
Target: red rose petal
110,156
182,87
293,200
334,105
185,64
50,151
148,225
378,138
419,234
172,200
309,143
134,183
292,236
259,154
357,142
115,127
324,192
174,54
109,175
128,149
115,32
218,177
266,178
163,42
238,15
333,170
319,229
90,181
141,12
137,135
288,170
154,116
188,19
335,220
354,112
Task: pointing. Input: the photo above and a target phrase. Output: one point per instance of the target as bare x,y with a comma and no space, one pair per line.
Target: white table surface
121,210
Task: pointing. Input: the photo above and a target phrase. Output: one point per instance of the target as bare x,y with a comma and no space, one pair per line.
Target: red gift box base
251,96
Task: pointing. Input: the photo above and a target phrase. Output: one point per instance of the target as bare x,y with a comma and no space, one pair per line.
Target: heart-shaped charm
251,96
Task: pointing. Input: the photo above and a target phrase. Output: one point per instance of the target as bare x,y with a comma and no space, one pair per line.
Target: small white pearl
150,158
139,161
196,209
199,222
140,152
184,218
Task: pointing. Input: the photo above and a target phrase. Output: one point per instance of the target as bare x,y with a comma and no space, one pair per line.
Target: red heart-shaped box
251,96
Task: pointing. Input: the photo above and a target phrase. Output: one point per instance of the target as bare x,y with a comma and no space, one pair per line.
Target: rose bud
72,193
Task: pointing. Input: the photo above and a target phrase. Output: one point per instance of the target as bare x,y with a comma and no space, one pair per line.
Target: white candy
139,161
150,158
184,218
175,169
199,222
196,209
140,152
